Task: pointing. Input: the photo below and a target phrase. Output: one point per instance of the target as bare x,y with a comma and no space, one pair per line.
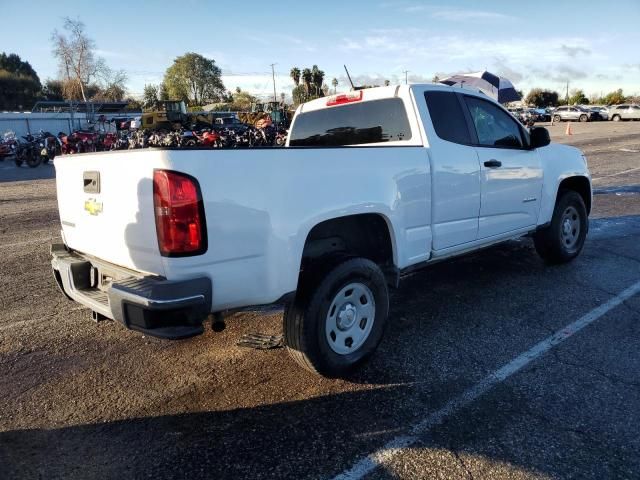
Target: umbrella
497,87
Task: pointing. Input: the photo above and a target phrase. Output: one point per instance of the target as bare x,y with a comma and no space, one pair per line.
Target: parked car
602,112
574,113
542,115
325,229
624,112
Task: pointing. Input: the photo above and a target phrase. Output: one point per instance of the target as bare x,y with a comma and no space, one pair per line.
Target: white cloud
463,15
111,53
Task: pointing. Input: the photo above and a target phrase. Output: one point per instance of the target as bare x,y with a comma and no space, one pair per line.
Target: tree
150,96
578,98
114,89
307,78
133,104
312,85
541,98
387,83
77,61
334,84
242,101
614,98
317,79
295,75
19,84
195,79
163,93
435,79
12,63
53,90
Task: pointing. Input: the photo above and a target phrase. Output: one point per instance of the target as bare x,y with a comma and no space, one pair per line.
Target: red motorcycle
8,145
84,141
68,144
108,142
207,138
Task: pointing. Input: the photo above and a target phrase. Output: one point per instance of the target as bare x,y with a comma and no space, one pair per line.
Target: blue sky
536,43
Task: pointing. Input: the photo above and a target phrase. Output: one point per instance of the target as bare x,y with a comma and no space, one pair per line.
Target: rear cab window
367,122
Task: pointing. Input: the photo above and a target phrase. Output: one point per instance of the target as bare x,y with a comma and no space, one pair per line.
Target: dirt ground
81,400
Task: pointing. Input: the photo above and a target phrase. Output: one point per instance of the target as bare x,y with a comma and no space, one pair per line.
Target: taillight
344,98
179,212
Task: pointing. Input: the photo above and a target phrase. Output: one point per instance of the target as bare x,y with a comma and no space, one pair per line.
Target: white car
373,184
624,112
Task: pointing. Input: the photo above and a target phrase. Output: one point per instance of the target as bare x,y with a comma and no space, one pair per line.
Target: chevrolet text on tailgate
373,184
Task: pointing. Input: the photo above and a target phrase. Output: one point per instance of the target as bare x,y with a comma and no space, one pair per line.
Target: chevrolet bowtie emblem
93,206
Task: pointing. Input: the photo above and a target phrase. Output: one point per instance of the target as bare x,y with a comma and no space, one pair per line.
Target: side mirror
539,137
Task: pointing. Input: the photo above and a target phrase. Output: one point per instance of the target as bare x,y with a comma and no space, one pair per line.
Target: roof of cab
377,93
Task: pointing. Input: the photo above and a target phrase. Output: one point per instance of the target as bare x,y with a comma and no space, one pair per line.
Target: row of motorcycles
246,137
34,150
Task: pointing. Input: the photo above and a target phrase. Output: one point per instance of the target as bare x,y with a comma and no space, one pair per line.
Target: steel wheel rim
570,228
350,318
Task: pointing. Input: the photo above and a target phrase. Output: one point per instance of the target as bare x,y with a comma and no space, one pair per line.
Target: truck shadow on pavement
474,313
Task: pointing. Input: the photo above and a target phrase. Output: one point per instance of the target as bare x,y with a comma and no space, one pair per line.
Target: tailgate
105,201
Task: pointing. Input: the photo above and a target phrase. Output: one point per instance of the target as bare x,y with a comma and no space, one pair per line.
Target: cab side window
447,117
495,128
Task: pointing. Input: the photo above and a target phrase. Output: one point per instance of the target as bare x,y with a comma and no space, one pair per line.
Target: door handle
492,163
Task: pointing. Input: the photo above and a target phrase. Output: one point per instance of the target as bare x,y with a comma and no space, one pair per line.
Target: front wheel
563,239
616,118
337,320
583,118
557,118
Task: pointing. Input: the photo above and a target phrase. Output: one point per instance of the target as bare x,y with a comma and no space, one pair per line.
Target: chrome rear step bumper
152,305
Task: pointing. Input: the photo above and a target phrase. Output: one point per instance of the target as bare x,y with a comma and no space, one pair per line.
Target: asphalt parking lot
494,365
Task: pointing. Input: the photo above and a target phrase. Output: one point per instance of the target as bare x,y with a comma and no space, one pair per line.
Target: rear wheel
583,118
337,320
616,118
34,158
563,239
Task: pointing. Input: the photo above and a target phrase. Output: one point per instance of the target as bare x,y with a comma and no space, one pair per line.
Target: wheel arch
367,235
579,184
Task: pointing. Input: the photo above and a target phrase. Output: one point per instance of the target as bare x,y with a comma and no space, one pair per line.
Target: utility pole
567,92
273,75
406,78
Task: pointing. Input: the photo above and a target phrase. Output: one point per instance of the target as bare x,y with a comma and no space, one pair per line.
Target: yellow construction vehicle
167,115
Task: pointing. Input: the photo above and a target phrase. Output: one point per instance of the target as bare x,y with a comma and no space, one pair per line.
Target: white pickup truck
372,185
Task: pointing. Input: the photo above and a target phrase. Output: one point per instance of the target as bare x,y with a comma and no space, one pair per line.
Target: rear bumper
152,305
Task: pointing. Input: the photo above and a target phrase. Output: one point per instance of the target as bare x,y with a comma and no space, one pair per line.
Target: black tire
557,118
34,159
560,242
307,320
616,118
583,118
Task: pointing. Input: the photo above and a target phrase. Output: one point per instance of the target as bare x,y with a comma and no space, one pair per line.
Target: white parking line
615,174
370,462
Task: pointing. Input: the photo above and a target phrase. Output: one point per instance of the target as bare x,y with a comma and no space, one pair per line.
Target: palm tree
295,75
307,77
317,77
334,83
